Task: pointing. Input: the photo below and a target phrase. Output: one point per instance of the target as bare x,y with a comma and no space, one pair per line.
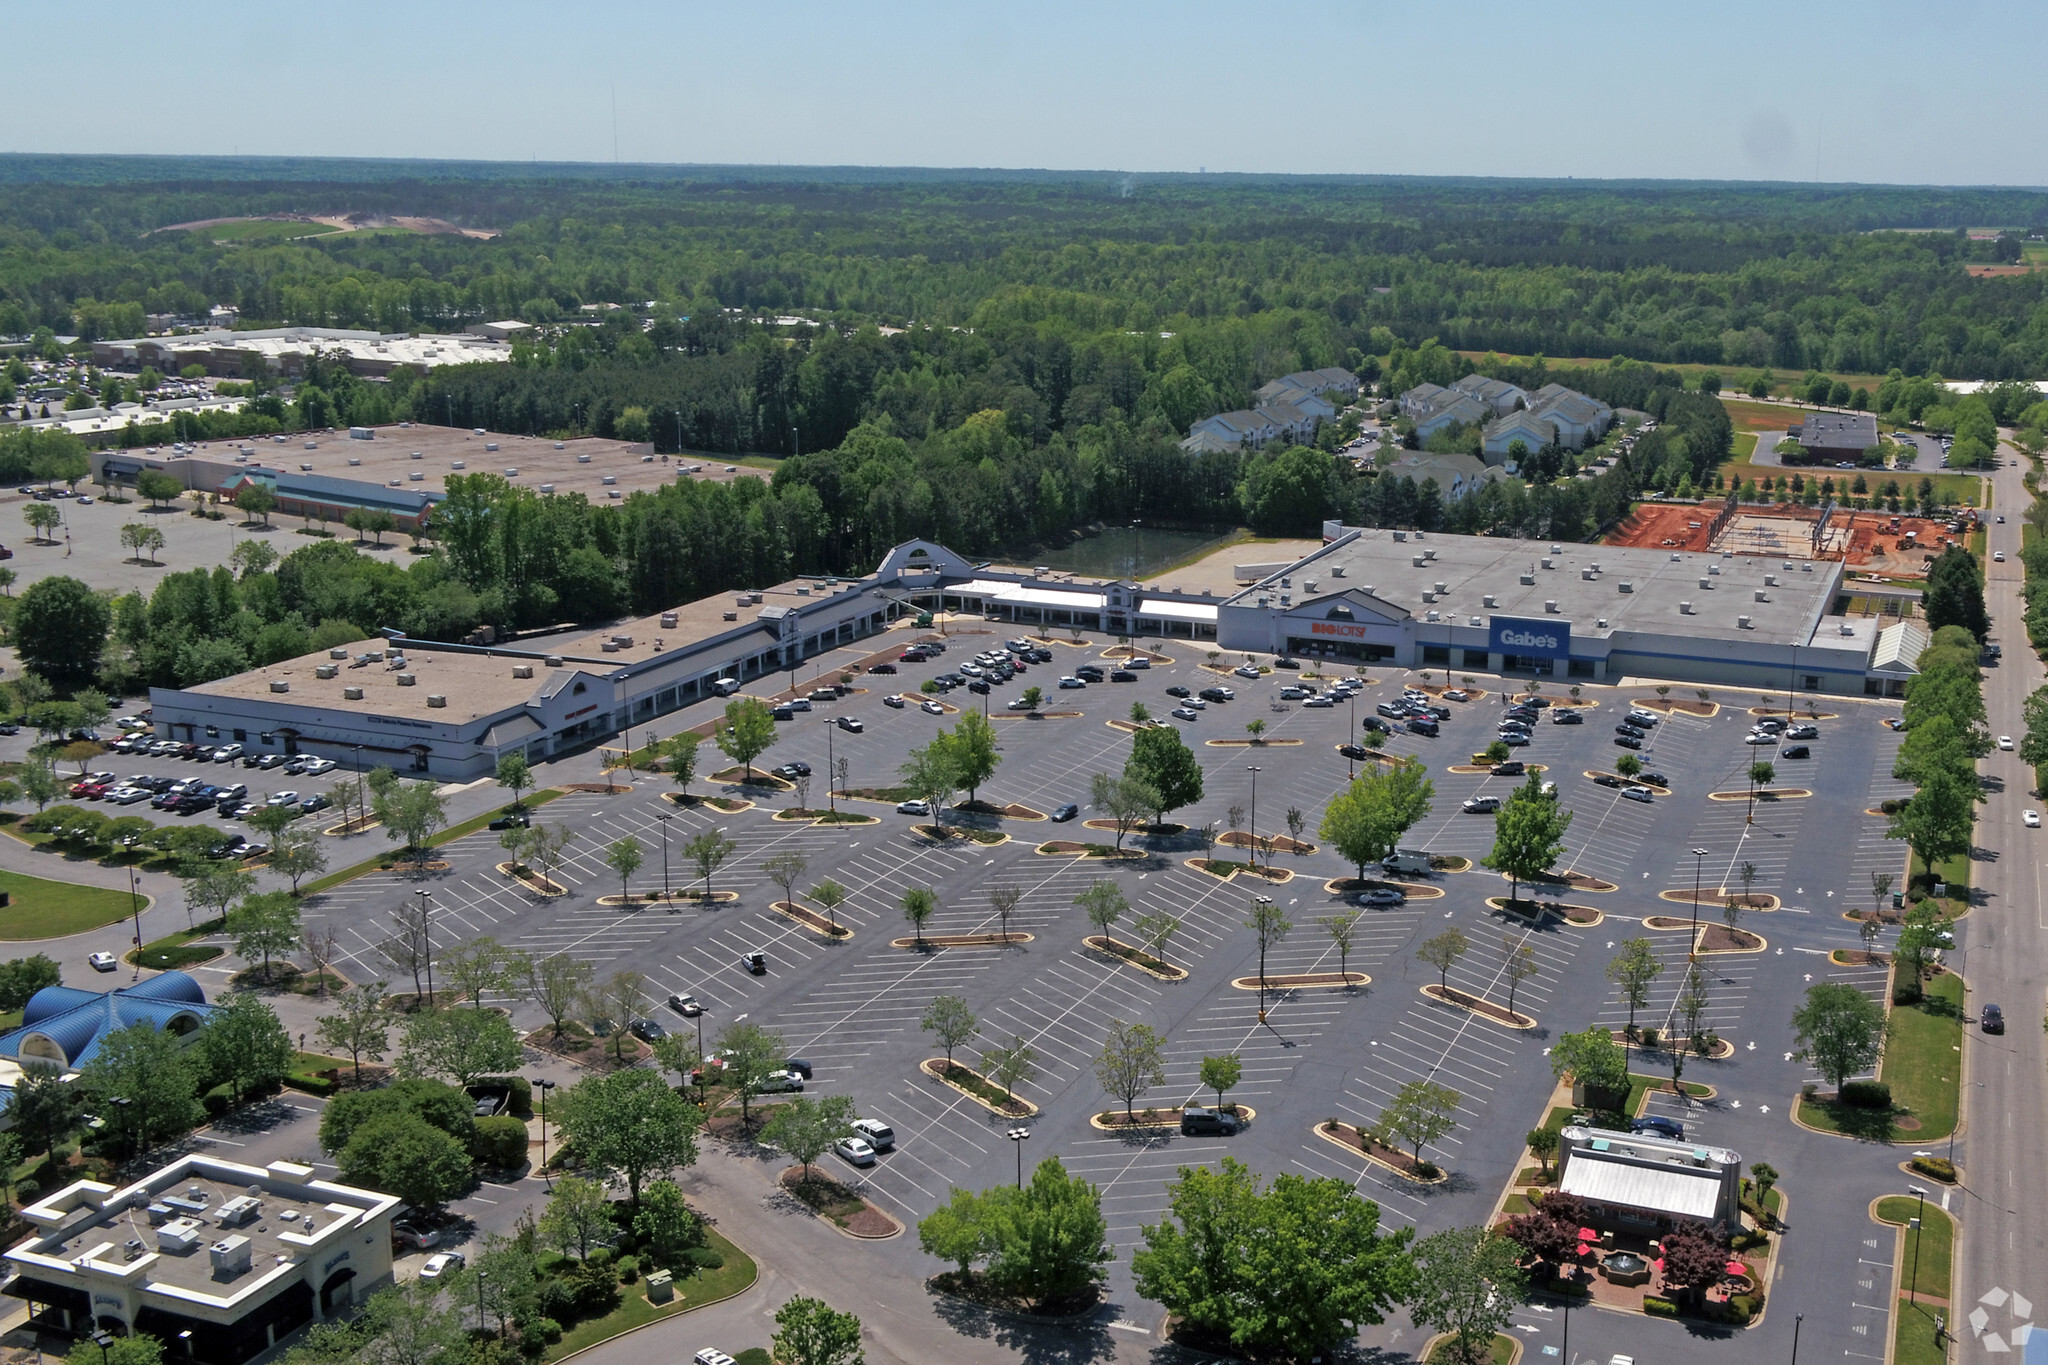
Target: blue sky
1919,93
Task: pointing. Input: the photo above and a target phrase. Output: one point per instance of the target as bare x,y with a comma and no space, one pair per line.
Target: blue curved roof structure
64,1026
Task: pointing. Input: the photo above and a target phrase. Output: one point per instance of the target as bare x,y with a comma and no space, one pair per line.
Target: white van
798,703
724,687
1406,860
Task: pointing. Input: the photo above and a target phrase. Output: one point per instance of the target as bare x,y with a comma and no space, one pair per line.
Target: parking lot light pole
544,1086
1797,1318
1920,1235
427,936
135,909
1351,737
1698,859
831,767
1018,1137
1255,842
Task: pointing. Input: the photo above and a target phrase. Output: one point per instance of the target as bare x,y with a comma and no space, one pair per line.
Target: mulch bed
943,833
533,881
1719,938
823,816
1219,867
1719,896
829,1199
1500,1014
1013,811
1137,957
1069,846
1279,843
1576,914
974,1288
1164,830
1575,881
1295,980
961,940
1348,1135
1251,743
971,1083
729,805
1347,886
1858,957
601,788
811,920
1115,1119
739,777
1691,708
586,1050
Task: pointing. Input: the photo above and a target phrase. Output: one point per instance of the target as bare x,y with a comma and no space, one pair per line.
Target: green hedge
1867,1094
312,1085
1659,1308
500,1142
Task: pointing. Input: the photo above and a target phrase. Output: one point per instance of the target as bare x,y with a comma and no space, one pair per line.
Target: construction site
1876,543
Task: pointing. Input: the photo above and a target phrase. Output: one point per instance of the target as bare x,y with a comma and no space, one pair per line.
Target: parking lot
853,1007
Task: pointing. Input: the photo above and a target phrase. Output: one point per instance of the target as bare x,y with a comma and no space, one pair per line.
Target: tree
214,885
1269,924
1628,765
621,998
681,753
1104,903
971,747
1528,834
1926,929
968,1227
60,626
256,501
140,537
39,784
811,1332
627,1126
748,732
1633,969
1691,1016
1840,1030
932,777
1955,593
1256,728
950,1023
1443,951
1054,1239
42,518
158,488
1341,928
785,870
22,977
249,557
1591,1059
1286,1273
624,856
244,1046
1365,822
1164,764
559,984
45,1107
1003,899
1420,1113
1221,1074
750,1053
1467,1285
358,1026
1132,1061
263,924
514,774
807,1128
677,1052
1518,963
297,854
463,1045
1937,823
709,849
829,895
131,1350
1693,1258
1761,775
148,1068
1542,1145
1010,1064
401,1153
1154,931
1033,698
481,964
1127,800
665,1223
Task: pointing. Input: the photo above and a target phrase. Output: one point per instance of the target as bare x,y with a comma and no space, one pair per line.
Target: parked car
851,724
442,1263
801,1066
409,1236
1513,767
1650,779
1480,805
1803,732
893,702
1567,718
932,708
1639,793
1425,725
519,820
1382,895
1641,719
1178,691
881,668
1185,713
1795,751
1200,1121
1217,694
755,963
685,1005
793,770
854,1151
647,1030
1246,671
227,753
780,1082
1515,739
1066,812
1357,753
914,806
1631,742
878,1134
1659,1126
1991,1019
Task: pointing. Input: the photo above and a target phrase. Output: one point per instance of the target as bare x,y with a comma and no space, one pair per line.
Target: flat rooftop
1585,581
476,685
1216,572
580,465
652,635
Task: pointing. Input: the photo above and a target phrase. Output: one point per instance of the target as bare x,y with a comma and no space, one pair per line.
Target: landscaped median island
37,908
838,1205
1922,1259
978,1088
1354,1139
1479,1005
1916,1094
1535,909
811,919
1136,957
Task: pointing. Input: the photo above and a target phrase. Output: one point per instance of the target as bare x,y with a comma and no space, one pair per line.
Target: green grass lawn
698,1289
532,801
1745,446
1500,1353
1955,872
38,908
1923,1063
1913,1323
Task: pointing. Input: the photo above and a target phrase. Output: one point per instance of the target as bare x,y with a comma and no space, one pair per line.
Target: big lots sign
1348,630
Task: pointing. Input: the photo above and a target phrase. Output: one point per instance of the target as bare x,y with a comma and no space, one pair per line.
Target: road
2004,1238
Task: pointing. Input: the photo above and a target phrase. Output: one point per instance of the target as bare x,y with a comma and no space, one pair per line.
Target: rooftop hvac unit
560,446
581,459
1434,617
355,462
1442,588
1600,623
646,459
1596,566
1428,596
1488,599
351,694
1528,580
1727,554
554,661
622,640
1762,596
1400,536
1742,623
608,647
512,473
1428,554
180,1235
406,680
1336,571
1286,582
1546,562
419,454
547,488
615,492
668,620
1846,628
1286,598
1585,575
305,469
755,598
490,445
1770,580
1264,601
1550,608
1416,561
1807,567
435,701
230,1256
280,687
339,652
1557,549
1674,558
611,478
522,670
1714,569
803,590
1685,608
1471,620
1308,584
393,483
1418,535
415,477
239,1210
327,670
1626,586
478,430
1707,583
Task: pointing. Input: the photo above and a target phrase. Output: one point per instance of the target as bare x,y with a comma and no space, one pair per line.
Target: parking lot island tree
1937,822
1840,1030
560,984
1291,1271
972,748
1342,928
243,1046
1467,1284
679,751
628,1126
1632,970
359,1025
1053,1240
463,1045
1518,962
950,1023
932,776
1594,1064
748,732
624,856
1421,1112
1222,1074
1442,952
264,925
1528,835
1132,1061
708,849
621,997
806,1128
578,1217
968,1227
786,869
1269,925
1003,898
829,896
1155,931
1104,903
1366,820
1010,1064
811,1332
920,903
1127,800
515,775
1161,760
475,967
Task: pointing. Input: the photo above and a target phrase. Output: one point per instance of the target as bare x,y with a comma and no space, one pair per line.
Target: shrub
1649,1036
1659,1308
595,1287
704,1258
547,1330
1867,1094
600,1256
1743,1307
312,1085
556,1298
629,1269
500,1142
1938,1167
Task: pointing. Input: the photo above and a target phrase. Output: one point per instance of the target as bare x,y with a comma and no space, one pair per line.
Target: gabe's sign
1547,638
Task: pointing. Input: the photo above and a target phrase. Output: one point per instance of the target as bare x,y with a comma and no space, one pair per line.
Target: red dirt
1871,541
1664,526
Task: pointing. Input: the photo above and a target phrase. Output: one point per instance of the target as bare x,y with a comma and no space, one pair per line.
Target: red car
93,786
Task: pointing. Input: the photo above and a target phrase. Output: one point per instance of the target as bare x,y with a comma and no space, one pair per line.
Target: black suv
1196,1121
